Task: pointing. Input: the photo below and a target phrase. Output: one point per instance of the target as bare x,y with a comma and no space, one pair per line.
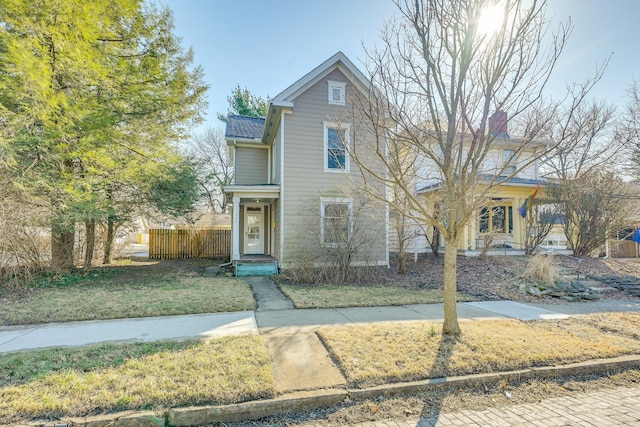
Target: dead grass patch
327,296
58,382
135,290
378,354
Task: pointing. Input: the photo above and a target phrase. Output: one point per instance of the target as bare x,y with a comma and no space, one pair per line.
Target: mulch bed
496,278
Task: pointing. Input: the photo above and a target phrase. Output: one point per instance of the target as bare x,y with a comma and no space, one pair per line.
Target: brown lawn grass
136,290
328,296
84,381
384,353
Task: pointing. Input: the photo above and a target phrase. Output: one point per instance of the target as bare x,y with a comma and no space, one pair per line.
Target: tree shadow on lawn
440,368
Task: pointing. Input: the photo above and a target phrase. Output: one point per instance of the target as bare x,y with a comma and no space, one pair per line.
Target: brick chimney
498,124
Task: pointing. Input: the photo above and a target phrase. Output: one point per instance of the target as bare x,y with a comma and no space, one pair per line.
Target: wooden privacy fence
203,243
623,249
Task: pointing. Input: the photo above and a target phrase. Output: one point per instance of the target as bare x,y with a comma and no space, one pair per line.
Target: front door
253,236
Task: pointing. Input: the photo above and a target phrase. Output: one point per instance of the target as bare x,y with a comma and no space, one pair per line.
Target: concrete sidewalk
276,320
30,337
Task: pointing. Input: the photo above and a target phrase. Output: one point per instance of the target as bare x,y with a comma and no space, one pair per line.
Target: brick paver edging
304,400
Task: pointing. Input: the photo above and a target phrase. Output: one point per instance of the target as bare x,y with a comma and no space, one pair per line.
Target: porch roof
263,191
512,181
244,128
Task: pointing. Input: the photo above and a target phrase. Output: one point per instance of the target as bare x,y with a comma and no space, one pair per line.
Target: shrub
542,269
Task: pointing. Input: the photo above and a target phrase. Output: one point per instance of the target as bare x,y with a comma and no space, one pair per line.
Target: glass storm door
253,241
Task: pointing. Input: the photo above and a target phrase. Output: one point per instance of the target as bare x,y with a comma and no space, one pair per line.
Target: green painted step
256,268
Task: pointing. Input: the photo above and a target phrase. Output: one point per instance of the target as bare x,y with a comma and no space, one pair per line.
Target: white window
336,138
509,159
336,92
496,219
335,222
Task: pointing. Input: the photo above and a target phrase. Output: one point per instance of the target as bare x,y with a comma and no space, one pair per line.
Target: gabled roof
284,100
244,128
340,61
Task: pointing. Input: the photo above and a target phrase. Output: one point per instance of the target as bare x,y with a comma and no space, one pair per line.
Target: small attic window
336,92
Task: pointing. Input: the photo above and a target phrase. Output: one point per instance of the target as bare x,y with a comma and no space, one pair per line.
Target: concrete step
256,268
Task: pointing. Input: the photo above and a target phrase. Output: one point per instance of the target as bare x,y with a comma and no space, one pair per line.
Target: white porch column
519,227
473,231
235,238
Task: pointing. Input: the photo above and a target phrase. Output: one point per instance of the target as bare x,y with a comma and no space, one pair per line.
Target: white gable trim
339,61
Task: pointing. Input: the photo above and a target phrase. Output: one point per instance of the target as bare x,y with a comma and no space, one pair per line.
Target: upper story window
336,157
336,92
509,161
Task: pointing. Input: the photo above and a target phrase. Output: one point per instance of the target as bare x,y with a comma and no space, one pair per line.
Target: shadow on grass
440,368
22,367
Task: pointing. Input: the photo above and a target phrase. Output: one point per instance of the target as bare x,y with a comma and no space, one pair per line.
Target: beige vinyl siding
251,165
305,180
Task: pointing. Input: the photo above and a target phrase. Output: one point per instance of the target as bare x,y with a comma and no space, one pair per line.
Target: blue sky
266,45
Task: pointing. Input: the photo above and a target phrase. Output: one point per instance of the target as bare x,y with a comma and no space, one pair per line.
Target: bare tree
210,150
341,247
595,205
584,173
539,220
628,129
435,82
588,142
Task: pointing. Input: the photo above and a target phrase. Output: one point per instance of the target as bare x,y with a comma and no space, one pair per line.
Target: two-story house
293,190
510,169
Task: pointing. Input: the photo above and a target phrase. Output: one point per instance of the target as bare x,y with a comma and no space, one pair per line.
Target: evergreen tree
94,94
244,103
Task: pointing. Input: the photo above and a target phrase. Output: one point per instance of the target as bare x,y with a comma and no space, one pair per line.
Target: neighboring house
292,195
498,224
626,242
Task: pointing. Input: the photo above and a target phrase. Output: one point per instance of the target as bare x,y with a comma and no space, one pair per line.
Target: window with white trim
496,219
335,222
336,138
336,92
509,161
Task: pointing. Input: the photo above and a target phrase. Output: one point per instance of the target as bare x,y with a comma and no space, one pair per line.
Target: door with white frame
253,230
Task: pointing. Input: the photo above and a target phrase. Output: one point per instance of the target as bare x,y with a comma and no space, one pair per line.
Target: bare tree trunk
108,244
435,238
62,243
450,326
435,242
90,227
400,228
